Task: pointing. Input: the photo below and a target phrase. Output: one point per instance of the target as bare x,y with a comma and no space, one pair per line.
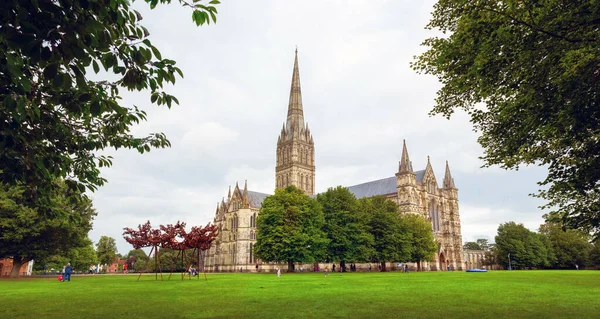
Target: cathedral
416,192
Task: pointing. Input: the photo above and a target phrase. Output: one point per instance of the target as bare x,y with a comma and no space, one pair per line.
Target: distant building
6,265
415,192
116,266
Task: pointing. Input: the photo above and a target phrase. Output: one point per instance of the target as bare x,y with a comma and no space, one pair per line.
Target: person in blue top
68,271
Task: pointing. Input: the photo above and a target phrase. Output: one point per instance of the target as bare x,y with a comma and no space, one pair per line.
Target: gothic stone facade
415,192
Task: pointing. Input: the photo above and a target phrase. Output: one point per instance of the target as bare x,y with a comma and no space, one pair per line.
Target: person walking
68,270
326,271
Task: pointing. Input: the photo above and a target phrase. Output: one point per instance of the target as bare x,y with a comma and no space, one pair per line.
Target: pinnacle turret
405,163
448,180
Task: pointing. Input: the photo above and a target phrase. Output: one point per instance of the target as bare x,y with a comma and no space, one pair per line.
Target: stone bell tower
295,146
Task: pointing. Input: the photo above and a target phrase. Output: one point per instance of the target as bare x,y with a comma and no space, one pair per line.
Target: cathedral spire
229,193
295,117
448,180
405,163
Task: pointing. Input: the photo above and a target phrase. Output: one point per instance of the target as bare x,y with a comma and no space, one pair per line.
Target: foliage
483,243
595,255
490,257
471,245
289,228
423,245
106,249
80,258
55,228
348,238
527,249
570,246
136,259
55,114
528,73
391,235
479,244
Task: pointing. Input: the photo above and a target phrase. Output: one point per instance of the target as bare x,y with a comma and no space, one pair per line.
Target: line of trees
336,227
550,247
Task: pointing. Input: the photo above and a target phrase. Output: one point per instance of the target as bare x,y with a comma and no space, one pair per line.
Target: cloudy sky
361,99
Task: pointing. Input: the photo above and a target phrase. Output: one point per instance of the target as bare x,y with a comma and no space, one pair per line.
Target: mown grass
499,294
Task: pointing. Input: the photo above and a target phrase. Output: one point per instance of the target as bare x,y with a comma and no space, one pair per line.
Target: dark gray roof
420,175
379,187
374,188
256,198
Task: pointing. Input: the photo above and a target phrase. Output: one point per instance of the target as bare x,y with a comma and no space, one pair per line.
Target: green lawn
499,294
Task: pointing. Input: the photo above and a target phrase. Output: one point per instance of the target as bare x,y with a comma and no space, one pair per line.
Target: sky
360,98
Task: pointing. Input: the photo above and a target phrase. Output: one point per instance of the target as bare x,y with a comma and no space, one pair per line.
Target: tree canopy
391,235
571,247
348,237
528,73
54,116
422,243
55,228
106,249
527,249
289,228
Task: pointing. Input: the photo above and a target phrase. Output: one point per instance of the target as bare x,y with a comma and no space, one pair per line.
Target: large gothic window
433,216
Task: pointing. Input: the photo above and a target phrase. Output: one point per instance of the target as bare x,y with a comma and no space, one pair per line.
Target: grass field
500,294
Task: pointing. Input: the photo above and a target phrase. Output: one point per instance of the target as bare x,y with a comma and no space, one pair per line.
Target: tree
348,238
289,228
55,117
490,257
483,243
423,244
595,255
571,247
471,245
55,228
526,248
391,236
106,248
82,257
136,259
528,74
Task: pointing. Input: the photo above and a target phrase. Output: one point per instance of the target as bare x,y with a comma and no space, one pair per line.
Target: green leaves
54,117
288,224
51,70
534,66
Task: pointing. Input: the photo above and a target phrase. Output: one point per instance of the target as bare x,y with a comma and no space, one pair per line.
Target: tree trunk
342,266
17,263
383,266
290,266
418,265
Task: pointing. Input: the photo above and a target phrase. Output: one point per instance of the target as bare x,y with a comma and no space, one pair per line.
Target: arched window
251,254
432,215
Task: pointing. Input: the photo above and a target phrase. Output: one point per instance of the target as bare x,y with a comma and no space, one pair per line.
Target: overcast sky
360,98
